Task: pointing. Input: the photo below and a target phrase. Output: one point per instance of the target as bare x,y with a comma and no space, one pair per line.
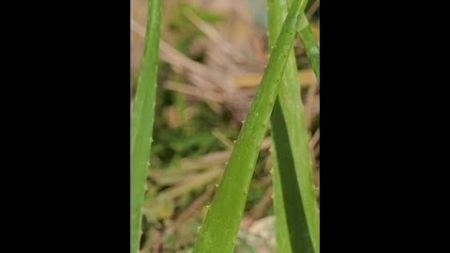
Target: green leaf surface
295,204
221,224
309,44
142,121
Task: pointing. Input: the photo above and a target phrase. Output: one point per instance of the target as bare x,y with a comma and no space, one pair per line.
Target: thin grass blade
309,44
142,121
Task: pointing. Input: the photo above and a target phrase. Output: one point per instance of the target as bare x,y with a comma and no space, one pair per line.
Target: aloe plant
296,223
222,221
142,121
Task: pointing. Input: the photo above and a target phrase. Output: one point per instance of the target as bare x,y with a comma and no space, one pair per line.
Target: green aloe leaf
309,44
295,204
221,224
142,121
